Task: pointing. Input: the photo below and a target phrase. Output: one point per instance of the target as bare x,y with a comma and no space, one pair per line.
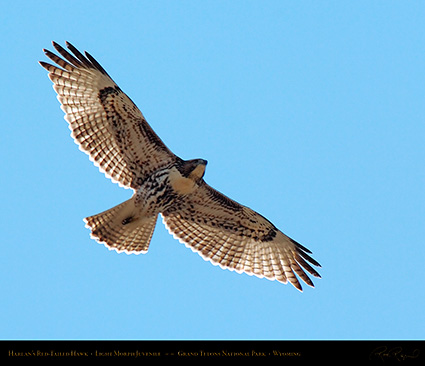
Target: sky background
311,113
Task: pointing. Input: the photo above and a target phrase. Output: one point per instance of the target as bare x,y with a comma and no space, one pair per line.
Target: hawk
108,126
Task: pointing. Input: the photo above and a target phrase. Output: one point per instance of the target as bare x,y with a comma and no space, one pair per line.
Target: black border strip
382,351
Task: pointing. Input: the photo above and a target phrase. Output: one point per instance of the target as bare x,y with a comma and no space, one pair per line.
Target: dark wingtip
44,64
96,64
57,46
301,246
303,251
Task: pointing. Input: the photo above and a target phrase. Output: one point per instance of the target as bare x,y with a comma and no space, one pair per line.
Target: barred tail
119,229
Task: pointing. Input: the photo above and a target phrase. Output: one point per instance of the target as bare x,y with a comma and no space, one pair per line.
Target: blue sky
311,113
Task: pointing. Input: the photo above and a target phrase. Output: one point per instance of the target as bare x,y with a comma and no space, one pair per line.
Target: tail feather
119,229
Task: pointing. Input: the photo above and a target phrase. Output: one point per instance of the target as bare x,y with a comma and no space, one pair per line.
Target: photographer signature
396,353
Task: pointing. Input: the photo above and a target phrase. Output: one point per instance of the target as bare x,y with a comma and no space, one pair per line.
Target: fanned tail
121,230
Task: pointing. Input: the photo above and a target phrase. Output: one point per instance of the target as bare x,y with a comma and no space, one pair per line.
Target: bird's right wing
105,123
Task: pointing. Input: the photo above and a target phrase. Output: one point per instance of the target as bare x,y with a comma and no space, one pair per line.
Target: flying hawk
108,126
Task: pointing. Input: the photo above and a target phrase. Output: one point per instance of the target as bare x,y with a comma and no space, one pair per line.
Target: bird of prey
108,126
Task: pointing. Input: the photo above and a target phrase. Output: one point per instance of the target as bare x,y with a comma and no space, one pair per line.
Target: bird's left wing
104,122
237,238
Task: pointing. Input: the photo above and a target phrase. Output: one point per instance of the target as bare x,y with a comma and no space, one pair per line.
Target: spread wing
104,122
237,238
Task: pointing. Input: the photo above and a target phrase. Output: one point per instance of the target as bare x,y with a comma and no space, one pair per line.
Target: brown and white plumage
237,238
105,123
109,127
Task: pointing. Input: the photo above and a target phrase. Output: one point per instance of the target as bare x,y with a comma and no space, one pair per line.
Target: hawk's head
193,169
